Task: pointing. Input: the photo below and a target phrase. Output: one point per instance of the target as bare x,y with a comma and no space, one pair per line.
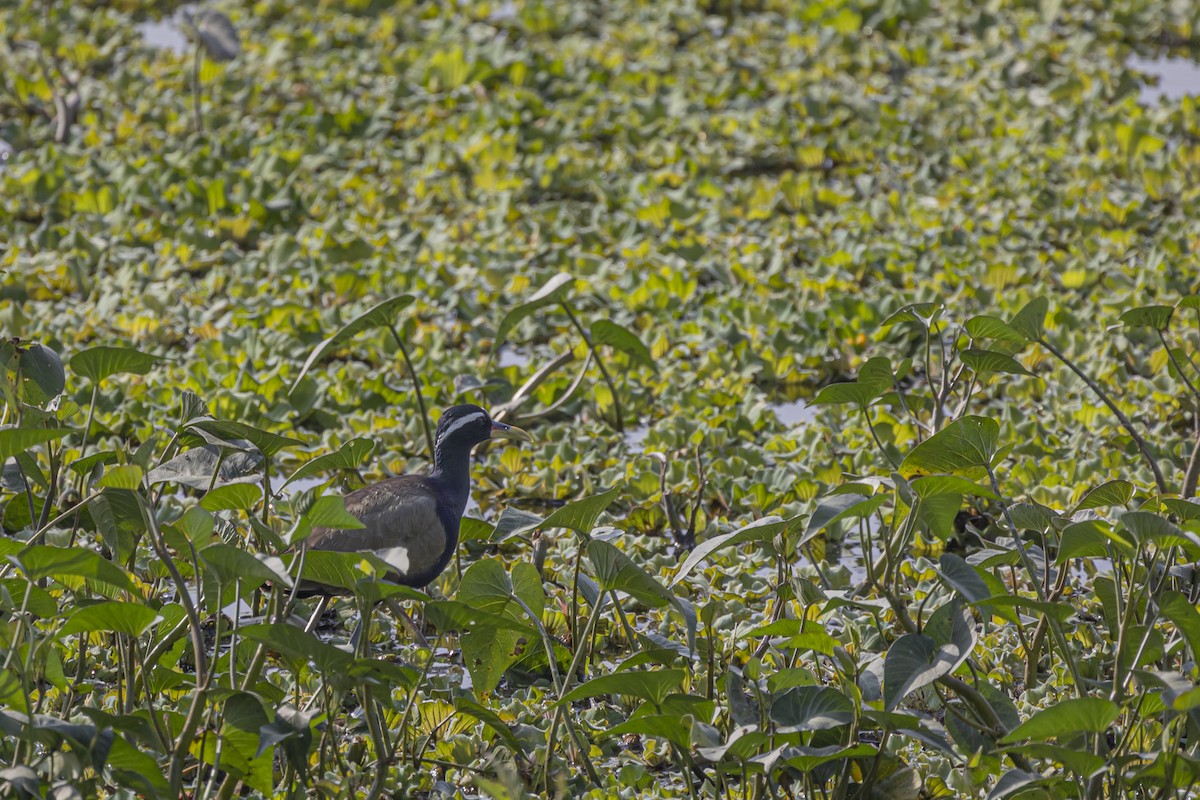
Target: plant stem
416,381
599,363
197,118
1125,421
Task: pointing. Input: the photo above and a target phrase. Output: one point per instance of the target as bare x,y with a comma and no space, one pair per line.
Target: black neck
452,468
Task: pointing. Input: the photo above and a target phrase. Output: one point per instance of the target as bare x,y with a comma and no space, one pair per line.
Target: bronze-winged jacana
412,521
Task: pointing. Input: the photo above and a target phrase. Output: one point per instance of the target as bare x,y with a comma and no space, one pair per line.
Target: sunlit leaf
349,456
811,708
133,619
1066,718
18,440
991,361
42,374
555,290
651,686
1156,317
1110,493
1030,321
99,363
964,448
607,332
378,315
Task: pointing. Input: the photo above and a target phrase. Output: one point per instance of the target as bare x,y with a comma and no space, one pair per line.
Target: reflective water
794,412
163,35
635,436
1174,78
512,357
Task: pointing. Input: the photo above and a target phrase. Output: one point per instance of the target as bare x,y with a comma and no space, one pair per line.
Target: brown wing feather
402,525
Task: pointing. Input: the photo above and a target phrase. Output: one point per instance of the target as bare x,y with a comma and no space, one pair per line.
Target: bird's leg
407,622
322,604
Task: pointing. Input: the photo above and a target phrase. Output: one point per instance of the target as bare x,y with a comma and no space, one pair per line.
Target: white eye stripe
470,419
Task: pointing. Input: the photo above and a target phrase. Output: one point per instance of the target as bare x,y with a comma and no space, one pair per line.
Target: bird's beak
502,431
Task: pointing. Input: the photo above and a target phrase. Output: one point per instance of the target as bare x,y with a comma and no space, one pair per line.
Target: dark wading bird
411,521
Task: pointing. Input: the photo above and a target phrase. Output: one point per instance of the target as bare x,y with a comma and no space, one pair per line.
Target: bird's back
407,522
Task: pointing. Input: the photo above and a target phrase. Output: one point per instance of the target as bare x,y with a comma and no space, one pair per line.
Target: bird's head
466,426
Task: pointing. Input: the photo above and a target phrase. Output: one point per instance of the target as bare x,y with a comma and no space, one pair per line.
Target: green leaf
98,363
495,632
45,561
1030,321
835,508
378,315
674,728
487,586
330,512
451,615
133,619
267,443
554,291
294,643
1110,493
991,361
1146,527
1031,516
962,578
811,708
933,485
914,661
580,515
935,515
1176,607
126,476
856,392
18,594
924,314
762,530
1184,509
17,440
650,686
232,497
606,332
491,719
50,733
1156,317
231,563
42,374
243,719
345,571
1066,718
349,456
806,759
1088,539
985,327
1059,610
615,571
137,770
964,448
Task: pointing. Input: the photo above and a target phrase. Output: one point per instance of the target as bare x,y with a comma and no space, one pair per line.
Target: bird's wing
401,522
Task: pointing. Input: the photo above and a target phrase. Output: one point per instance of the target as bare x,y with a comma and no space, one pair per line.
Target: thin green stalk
612,387
568,677
1027,564
416,381
875,436
412,694
197,117
1120,415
